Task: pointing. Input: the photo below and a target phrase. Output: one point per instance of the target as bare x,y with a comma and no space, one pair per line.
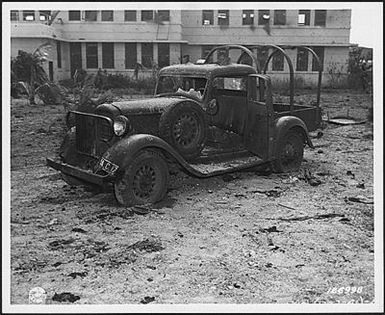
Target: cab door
258,132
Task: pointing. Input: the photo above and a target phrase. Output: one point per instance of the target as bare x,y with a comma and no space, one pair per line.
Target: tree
27,70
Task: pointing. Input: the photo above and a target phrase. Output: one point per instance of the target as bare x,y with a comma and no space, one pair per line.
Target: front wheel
289,153
144,181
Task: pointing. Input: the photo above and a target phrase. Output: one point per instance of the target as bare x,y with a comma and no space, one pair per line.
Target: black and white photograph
192,157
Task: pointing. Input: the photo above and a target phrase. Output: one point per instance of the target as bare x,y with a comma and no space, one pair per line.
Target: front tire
289,154
144,181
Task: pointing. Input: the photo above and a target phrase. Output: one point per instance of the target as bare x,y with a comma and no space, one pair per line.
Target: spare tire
184,127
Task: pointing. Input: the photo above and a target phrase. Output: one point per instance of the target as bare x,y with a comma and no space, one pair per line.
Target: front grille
92,133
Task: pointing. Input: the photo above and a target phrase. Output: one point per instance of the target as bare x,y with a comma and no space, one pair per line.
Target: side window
232,86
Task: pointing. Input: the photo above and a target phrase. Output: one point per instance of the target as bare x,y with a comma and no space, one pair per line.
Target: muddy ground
241,238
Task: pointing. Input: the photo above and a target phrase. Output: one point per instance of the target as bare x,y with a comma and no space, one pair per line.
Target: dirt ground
241,238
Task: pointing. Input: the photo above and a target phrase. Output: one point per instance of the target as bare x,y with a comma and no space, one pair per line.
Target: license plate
108,166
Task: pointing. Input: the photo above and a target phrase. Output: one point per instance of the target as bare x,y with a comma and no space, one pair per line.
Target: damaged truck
207,119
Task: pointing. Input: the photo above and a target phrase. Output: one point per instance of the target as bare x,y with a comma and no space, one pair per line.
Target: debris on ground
147,299
60,243
148,245
65,297
315,217
79,230
311,179
360,199
78,274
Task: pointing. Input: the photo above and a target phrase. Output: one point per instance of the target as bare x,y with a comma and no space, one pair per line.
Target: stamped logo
37,296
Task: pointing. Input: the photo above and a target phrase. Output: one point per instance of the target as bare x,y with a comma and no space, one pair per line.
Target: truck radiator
93,132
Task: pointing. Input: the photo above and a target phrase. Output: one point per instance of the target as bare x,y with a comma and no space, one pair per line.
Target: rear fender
284,124
123,152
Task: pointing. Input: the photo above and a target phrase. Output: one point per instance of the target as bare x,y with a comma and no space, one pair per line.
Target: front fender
123,151
284,124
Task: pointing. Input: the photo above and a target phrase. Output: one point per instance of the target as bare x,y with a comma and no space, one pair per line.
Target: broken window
147,15
320,18
164,15
130,15
28,15
279,17
14,15
130,55
58,53
44,15
92,55
262,55
247,17
320,51
278,61
205,51
302,59
90,15
223,17
147,54
263,17
207,17
74,15
163,55
108,16
304,17
108,55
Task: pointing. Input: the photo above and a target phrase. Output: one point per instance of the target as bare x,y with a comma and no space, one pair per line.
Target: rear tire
144,181
289,153
184,126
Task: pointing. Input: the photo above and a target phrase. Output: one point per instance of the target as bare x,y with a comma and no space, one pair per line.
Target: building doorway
75,57
50,70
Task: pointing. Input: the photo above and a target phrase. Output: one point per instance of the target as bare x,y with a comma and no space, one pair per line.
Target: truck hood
147,105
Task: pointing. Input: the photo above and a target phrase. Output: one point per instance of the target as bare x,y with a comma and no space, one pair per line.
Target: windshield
179,84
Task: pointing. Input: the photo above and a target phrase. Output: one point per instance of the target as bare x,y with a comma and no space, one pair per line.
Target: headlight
121,126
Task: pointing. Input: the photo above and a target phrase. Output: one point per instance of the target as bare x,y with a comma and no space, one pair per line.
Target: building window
90,15
302,59
130,55
163,15
14,15
223,17
279,17
58,54
44,15
262,55
92,55
304,17
320,51
320,18
74,15
247,17
147,15
130,15
278,61
28,15
147,54
163,55
108,16
108,55
263,17
207,17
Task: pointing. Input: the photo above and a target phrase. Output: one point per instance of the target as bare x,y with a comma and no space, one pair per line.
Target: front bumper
78,173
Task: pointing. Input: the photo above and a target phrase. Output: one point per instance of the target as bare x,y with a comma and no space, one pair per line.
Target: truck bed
311,115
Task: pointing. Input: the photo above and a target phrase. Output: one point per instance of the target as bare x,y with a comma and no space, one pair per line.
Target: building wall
186,35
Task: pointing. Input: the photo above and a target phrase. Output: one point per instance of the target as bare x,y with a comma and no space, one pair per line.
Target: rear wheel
144,181
289,153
